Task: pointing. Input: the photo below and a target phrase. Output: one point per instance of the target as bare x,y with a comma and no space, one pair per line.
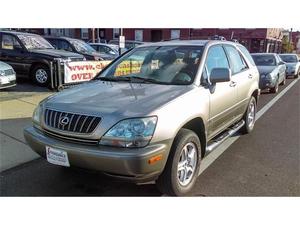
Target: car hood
291,64
56,53
121,99
4,66
265,69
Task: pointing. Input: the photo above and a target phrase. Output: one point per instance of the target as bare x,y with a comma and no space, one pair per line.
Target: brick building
256,39
296,41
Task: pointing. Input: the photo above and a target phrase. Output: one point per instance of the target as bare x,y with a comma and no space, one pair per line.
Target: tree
287,47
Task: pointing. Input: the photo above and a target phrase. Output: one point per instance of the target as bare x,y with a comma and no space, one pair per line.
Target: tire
298,74
41,75
284,80
249,123
275,89
168,182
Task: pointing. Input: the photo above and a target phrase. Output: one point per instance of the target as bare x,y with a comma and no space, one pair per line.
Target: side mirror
281,63
218,75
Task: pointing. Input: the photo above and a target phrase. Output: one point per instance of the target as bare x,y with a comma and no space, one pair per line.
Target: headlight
36,114
2,73
135,132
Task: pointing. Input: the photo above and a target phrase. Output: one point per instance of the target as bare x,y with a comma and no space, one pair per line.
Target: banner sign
86,70
128,67
82,70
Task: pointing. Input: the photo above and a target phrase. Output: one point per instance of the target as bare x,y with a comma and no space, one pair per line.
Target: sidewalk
16,108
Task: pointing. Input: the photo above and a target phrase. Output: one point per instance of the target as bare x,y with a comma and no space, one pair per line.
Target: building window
116,33
175,34
84,33
138,35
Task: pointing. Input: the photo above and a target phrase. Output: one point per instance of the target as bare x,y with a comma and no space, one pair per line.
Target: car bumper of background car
291,72
11,83
266,83
129,164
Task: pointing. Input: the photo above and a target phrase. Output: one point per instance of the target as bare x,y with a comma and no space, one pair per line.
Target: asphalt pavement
263,163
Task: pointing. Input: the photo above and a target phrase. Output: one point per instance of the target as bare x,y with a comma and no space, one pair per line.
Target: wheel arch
197,125
34,64
255,94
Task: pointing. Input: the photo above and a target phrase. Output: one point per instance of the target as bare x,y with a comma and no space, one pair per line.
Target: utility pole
121,41
93,35
290,38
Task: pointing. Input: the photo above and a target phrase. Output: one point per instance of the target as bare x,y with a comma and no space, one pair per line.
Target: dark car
272,71
30,55
78,46
109,49
128,43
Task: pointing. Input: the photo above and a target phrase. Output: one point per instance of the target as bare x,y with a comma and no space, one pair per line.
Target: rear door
223,96
242,76
281,68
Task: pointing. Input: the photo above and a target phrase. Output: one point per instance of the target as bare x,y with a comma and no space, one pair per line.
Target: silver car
7,76
272,71
152,114
292,62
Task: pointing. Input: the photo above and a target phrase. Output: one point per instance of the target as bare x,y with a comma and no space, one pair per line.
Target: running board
225,135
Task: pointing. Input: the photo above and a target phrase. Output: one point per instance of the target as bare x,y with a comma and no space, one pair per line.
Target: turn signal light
154,159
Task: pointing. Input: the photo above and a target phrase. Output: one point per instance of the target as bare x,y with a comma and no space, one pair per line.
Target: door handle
250,76
232,84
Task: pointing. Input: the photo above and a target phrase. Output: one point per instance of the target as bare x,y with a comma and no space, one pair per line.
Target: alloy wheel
187,164
41,76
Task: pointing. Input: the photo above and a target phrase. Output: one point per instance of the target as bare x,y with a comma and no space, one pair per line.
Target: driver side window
10,42
216,58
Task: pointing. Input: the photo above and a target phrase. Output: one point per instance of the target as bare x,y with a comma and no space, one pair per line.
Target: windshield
114,47
289,58
82,47
34,42
164,65
264,60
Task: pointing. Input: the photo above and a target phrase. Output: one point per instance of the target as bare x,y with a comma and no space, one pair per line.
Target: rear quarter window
246,54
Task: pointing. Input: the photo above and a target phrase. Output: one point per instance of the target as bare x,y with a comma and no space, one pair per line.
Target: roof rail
217,37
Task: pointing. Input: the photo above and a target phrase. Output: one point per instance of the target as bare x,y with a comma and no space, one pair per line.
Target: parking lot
263,163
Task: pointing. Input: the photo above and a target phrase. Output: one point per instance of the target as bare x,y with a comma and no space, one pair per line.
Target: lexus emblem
64,120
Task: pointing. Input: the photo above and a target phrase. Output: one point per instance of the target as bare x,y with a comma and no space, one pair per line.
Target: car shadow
39,178
26,85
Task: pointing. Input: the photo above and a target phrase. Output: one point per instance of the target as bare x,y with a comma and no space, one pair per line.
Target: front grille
70,139
9,72
76,123
74,59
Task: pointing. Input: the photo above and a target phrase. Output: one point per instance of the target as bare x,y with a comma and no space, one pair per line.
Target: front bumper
8,85
266,83
129,164
291,72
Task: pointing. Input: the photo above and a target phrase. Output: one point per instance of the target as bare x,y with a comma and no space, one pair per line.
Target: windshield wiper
112,78
146,80
131,79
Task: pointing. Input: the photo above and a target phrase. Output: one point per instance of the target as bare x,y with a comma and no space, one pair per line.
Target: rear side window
64,45
247,54
238,64
9,42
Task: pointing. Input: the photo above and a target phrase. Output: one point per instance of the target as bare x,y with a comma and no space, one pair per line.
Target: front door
223,96
13,53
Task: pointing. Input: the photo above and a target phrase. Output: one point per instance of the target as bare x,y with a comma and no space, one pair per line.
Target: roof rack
217,37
